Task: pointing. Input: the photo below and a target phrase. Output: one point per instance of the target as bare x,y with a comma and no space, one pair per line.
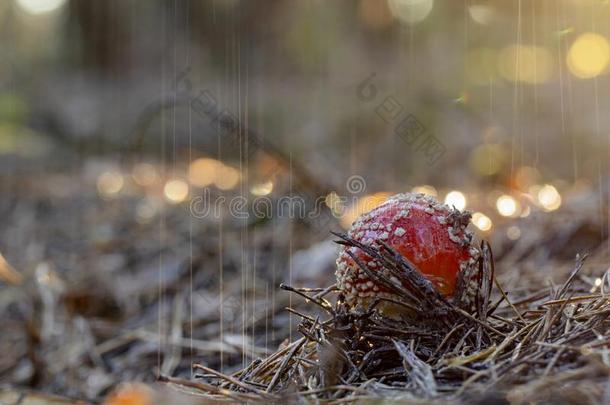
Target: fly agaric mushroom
432,236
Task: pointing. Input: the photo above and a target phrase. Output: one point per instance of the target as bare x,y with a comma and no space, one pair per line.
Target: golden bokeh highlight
425,189
176,191
549,198
334,203
110,183
456,199
363,205
588,56
262,189
482,221
227,178
507,206
202,172
525,63
488,159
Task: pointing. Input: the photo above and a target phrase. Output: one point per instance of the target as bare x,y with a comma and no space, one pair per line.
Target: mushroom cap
430,235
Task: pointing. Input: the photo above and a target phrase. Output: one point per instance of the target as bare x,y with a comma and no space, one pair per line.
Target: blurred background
123,121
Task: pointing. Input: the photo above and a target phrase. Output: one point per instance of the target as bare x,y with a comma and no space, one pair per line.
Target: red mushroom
432,236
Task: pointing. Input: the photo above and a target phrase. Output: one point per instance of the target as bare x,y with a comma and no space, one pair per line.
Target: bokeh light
481,13
334,203
176,191
487,160
205,171
262,189
588,56
411,11
425,189
507,206
202,172
456,199
226,178
549,198
36,7
524,63
110,183
482,221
